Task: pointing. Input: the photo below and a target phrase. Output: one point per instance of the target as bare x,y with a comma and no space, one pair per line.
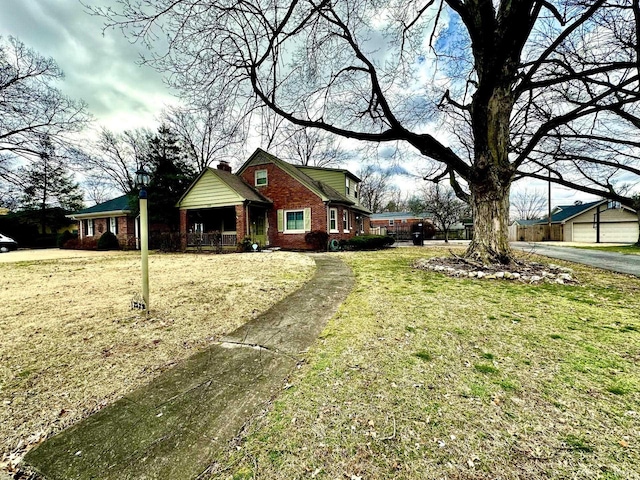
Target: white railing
229,239
218,239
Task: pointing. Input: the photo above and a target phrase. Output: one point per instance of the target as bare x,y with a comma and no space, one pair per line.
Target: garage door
619,232
626,232
584,232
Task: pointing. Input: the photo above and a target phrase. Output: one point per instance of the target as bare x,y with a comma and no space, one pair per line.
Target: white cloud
102,70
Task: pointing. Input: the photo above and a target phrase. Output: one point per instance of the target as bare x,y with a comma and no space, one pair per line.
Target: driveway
616,262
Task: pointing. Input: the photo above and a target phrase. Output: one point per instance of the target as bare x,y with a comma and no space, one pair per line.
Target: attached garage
618,232
603,221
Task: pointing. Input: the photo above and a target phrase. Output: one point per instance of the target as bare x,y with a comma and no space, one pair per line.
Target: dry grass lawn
69,343
423,376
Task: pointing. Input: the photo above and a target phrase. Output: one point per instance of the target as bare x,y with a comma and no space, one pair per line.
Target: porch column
183,229
241,222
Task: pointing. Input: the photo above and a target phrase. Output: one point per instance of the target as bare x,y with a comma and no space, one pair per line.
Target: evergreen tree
171,175
48,184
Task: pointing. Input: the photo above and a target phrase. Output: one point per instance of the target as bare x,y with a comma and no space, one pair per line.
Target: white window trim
335,219
286,230
345,220
113,225
391,222
255,178
90,228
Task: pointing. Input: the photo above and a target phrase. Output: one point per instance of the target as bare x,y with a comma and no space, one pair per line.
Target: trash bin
418,239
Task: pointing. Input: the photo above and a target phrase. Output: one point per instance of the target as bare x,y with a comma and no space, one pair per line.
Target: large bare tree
115,157
506,79
528,204
208,133
374,187
310,147
32,109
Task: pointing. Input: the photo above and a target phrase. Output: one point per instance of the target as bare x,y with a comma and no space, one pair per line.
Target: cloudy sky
103,70
100,69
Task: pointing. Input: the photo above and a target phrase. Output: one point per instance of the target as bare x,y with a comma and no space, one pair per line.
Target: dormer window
261,178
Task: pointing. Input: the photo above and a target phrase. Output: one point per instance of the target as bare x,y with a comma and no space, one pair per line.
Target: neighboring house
398,224
272,203
602,221
111,216
402,224
394,219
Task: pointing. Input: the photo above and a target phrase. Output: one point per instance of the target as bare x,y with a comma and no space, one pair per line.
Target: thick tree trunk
490,209
491,177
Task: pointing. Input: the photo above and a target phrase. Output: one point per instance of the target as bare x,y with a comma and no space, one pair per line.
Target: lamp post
142,180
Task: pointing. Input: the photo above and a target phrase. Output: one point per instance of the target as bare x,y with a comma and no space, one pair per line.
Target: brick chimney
224,165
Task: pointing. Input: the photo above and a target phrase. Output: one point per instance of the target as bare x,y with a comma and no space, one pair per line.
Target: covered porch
226,227
211,228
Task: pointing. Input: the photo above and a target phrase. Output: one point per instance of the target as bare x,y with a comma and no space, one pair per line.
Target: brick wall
287,193
241,222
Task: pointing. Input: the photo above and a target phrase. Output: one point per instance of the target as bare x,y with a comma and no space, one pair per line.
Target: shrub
44,241
81,244
429,230
108,241
368,242
64,237
245,245
165,241
317,239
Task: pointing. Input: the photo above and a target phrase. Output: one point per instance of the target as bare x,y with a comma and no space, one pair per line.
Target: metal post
144,247
598,224
549,208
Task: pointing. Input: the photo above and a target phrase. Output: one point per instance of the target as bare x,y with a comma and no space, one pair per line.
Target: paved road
615,262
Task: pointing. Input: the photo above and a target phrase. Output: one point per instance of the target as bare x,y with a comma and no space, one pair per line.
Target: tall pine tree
48,184
171,175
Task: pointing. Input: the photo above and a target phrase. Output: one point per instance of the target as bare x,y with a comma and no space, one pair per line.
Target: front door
259,227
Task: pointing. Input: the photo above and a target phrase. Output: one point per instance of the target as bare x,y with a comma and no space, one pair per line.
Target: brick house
271,202
111,216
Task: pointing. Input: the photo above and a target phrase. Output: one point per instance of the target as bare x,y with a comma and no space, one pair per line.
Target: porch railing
215,239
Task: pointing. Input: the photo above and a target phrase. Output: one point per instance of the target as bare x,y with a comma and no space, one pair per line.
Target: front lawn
70,344
422,376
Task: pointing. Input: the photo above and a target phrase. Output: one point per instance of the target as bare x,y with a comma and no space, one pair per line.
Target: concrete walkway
175,426
615,262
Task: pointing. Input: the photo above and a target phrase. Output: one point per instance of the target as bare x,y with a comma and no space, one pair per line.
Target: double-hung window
333,220
345,221
294,221
261,178
89,228
113,225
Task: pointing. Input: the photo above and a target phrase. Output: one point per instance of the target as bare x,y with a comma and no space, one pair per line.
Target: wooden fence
536,233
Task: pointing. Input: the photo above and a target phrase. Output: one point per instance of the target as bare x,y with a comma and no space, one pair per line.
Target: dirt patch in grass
69,343
420,375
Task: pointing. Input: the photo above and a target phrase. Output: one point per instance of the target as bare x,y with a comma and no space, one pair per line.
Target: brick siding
287,193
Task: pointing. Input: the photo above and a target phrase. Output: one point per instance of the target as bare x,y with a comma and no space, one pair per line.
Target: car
7,243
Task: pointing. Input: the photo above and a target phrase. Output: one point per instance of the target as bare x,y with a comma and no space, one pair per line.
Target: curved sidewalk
175,426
